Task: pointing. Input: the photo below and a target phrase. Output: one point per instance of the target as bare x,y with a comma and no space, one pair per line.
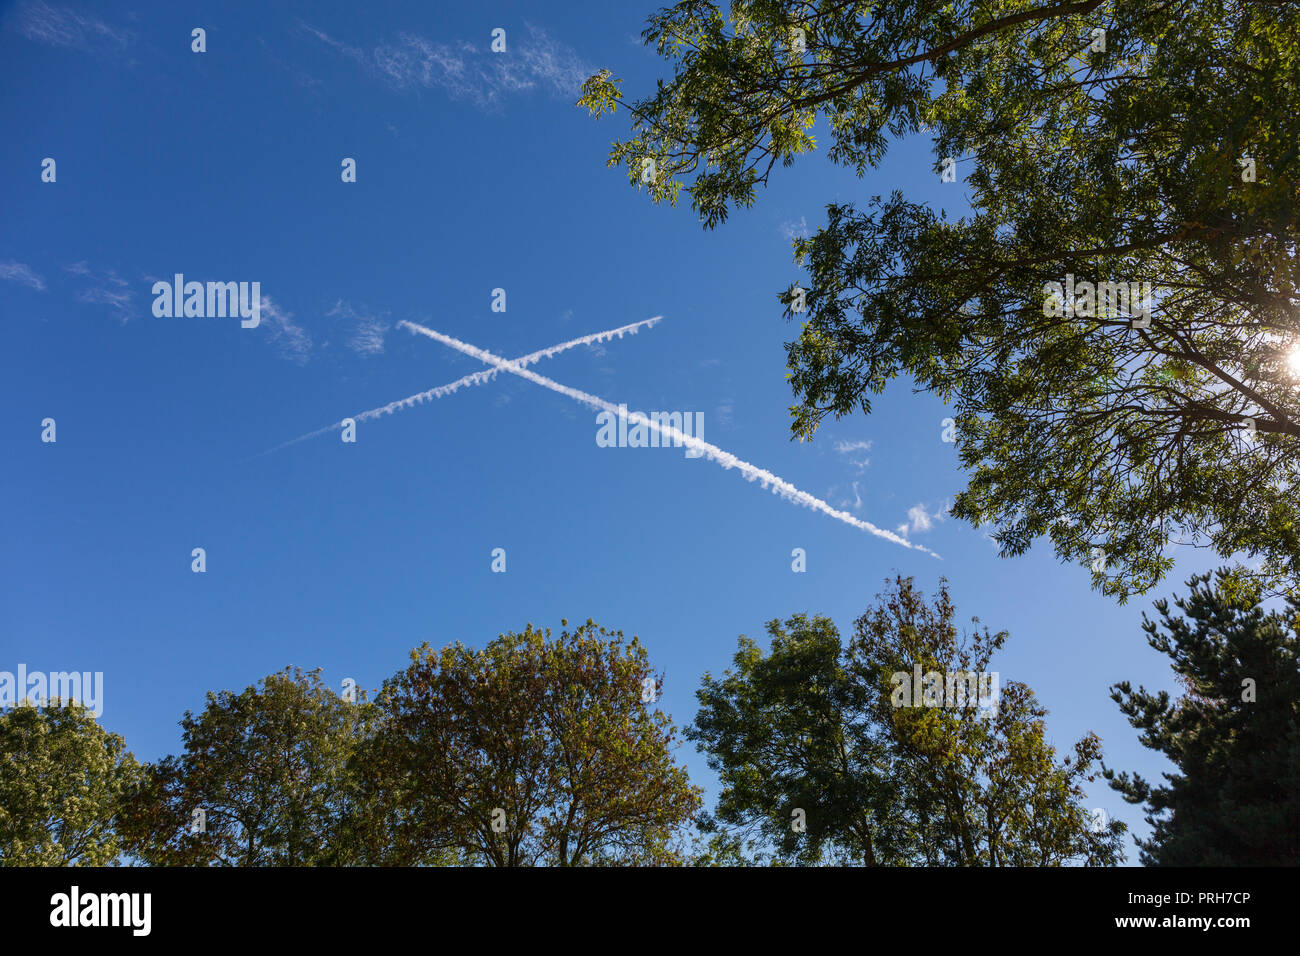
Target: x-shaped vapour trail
476,378
673,435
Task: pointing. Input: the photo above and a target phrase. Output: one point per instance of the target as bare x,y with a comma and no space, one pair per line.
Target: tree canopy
821,757
533,750
264,780
63,779
1109,143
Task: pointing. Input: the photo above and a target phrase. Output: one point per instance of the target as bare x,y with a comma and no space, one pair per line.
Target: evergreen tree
1233,735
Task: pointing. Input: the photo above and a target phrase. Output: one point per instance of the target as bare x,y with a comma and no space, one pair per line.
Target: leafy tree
784,735
1234,735
715,847
269,773
532,750
62,782
819,734
1115,141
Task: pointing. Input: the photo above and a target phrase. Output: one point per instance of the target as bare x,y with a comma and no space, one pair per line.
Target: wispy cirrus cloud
791,230
845,502
290,338
725,412
855,451
21,273
470,71
66,26
105,287
368,338
367,332
121,301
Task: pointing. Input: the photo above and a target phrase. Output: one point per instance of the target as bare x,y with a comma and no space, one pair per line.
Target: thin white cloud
23,274
65,26
856,503
120,301
851,448
293,342
369,337
791,230
551,64
983,529
367,334
355,53
674,436
920,520
106,288
470,70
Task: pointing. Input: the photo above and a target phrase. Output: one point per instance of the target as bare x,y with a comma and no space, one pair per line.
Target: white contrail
475,378
675,436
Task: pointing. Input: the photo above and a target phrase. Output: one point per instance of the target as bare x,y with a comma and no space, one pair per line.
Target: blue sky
475,171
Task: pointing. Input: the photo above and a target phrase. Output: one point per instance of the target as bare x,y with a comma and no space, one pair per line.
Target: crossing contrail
475,378
674,435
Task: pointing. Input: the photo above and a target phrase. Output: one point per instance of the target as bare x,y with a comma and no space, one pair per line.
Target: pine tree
1234,735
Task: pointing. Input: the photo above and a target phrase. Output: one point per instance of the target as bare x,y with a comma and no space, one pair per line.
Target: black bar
346,907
